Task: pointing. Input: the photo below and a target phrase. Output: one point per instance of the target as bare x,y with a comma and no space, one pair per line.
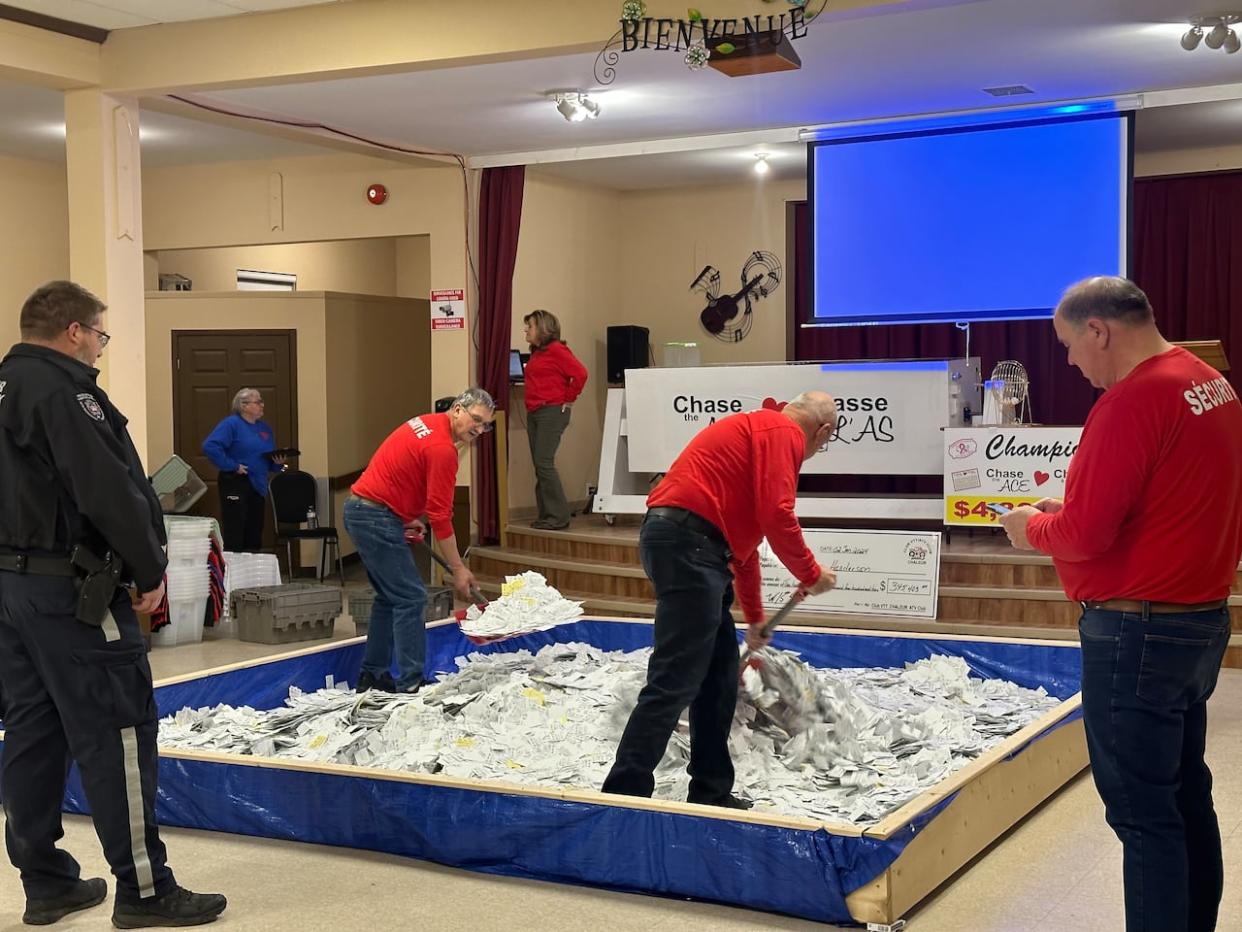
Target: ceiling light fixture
574,106
1219,35
761,163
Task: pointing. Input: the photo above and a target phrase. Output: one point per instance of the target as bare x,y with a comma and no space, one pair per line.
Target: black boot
384,682
83,895
177,907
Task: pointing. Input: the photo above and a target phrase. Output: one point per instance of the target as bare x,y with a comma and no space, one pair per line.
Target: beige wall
34,235
302,312
360,266
1188,161
669,236
377,374
227,204
377,377
568,263
596,257
413,267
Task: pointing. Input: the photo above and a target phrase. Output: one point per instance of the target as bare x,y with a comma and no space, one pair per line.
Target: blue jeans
694,663
399,610
1145,686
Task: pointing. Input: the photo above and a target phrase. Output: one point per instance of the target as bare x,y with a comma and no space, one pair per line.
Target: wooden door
209,368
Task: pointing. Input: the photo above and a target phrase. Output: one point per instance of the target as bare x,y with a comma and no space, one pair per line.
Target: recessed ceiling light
761,163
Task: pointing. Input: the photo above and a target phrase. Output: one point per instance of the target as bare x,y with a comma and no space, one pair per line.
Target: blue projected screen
988,223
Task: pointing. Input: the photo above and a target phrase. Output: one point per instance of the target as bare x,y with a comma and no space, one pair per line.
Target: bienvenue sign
677,34
890,414
878,573
1009,465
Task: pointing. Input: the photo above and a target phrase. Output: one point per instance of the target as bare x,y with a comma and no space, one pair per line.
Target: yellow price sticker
973,509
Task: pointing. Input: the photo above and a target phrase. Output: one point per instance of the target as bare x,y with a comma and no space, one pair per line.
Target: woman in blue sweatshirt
236,448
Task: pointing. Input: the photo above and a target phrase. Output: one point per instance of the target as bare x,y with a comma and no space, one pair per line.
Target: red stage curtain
500,216
1188,257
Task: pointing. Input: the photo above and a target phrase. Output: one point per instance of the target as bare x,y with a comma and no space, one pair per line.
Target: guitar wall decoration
729,317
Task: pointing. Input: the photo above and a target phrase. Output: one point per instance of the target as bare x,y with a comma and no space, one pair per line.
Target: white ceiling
929,56
903,63
32,126
122,14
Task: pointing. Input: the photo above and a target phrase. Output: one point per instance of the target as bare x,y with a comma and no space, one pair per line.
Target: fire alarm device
377,194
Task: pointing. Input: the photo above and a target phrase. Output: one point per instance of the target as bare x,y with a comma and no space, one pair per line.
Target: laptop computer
517,366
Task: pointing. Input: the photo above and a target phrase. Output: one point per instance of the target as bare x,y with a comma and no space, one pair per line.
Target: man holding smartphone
1148,540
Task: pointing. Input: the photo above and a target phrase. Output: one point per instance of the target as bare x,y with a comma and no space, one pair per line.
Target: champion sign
1008,465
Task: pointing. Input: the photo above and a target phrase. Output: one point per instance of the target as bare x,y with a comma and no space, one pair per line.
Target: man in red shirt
1148,539
732,486
413,473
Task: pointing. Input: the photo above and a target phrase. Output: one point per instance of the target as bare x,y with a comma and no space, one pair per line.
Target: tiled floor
1059,870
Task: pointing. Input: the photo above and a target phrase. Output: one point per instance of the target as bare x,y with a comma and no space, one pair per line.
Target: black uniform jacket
69,473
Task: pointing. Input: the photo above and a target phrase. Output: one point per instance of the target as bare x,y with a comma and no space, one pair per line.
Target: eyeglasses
103,337
259,402
480,422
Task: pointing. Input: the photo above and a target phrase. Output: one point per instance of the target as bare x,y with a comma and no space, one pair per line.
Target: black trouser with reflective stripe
80,692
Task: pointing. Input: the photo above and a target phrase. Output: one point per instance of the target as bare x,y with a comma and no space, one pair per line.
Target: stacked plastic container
244,571
189,580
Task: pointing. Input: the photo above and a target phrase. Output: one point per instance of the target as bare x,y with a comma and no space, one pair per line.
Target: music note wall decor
729,317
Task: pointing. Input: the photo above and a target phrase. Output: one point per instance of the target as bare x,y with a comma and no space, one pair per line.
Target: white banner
878,573
1009,465
890,413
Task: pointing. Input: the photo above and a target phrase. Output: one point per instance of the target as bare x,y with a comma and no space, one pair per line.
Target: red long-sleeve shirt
414,473
554,376
1153,500
741,474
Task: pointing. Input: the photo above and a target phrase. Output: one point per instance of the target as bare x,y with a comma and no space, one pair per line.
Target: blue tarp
800,872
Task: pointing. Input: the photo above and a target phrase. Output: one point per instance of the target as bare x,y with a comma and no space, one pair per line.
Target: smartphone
998,508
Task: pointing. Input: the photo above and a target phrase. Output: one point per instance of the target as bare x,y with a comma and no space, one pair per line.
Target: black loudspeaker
628,348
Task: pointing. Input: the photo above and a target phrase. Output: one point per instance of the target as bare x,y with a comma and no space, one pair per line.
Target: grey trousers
543,429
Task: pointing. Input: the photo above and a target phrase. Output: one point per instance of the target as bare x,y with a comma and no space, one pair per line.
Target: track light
1218,35
574,106
761,163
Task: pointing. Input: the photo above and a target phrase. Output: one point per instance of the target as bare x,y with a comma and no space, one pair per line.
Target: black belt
689,519
36,566
1136,607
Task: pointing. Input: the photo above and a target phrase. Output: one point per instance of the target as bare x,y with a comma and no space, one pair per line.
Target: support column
105,239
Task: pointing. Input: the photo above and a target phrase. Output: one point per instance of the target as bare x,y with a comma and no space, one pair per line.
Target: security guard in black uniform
78,522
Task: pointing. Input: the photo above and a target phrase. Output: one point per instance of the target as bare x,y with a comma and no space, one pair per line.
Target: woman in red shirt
554,380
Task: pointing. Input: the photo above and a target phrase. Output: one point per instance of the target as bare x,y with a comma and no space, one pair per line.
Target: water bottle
312,520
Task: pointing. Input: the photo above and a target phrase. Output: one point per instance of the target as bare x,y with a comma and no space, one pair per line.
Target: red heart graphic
1041,477
773,405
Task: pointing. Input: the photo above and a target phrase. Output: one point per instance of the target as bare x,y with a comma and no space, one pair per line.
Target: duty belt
36,565
1153,608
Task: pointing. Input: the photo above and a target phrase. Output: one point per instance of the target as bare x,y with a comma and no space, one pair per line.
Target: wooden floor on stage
986,587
